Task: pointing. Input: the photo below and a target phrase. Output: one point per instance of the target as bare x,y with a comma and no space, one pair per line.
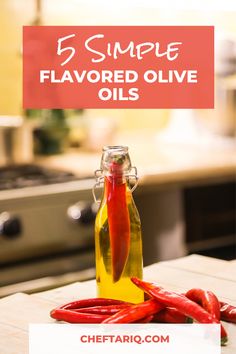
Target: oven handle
47,283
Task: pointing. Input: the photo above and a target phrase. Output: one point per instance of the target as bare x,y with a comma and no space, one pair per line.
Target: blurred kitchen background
186,159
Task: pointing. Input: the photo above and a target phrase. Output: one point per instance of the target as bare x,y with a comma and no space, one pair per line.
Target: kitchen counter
18,310
160,163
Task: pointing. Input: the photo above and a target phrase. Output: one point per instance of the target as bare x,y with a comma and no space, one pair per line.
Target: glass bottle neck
115,161
116,172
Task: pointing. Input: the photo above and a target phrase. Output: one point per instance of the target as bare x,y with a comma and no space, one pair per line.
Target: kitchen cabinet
183,220
210,218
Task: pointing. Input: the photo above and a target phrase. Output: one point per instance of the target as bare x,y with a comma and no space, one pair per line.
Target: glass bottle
118,240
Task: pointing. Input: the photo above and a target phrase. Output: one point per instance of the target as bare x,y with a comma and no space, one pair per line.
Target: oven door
47,273
55,243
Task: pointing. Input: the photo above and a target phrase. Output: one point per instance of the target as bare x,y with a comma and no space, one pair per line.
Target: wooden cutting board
17,311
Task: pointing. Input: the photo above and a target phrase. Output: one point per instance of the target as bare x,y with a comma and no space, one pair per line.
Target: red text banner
118,67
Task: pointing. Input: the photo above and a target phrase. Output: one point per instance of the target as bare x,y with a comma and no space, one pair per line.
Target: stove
31,175
46,228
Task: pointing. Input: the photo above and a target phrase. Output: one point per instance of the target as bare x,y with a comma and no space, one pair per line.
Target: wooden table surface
18,310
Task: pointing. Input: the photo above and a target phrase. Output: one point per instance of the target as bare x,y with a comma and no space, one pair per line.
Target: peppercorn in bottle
118,243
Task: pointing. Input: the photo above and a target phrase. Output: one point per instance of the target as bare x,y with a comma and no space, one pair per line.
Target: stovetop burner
20,176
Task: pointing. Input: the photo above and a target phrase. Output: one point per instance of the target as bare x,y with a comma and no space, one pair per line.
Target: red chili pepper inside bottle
118,240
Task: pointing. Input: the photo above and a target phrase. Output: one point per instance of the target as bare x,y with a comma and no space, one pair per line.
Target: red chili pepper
103,310
135,313
70,312
76,317
92,302
145,319
171,315
227,312
207,300
118,220
180,302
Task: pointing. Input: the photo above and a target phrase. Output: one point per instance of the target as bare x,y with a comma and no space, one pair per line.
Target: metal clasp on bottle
98,184
132,175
